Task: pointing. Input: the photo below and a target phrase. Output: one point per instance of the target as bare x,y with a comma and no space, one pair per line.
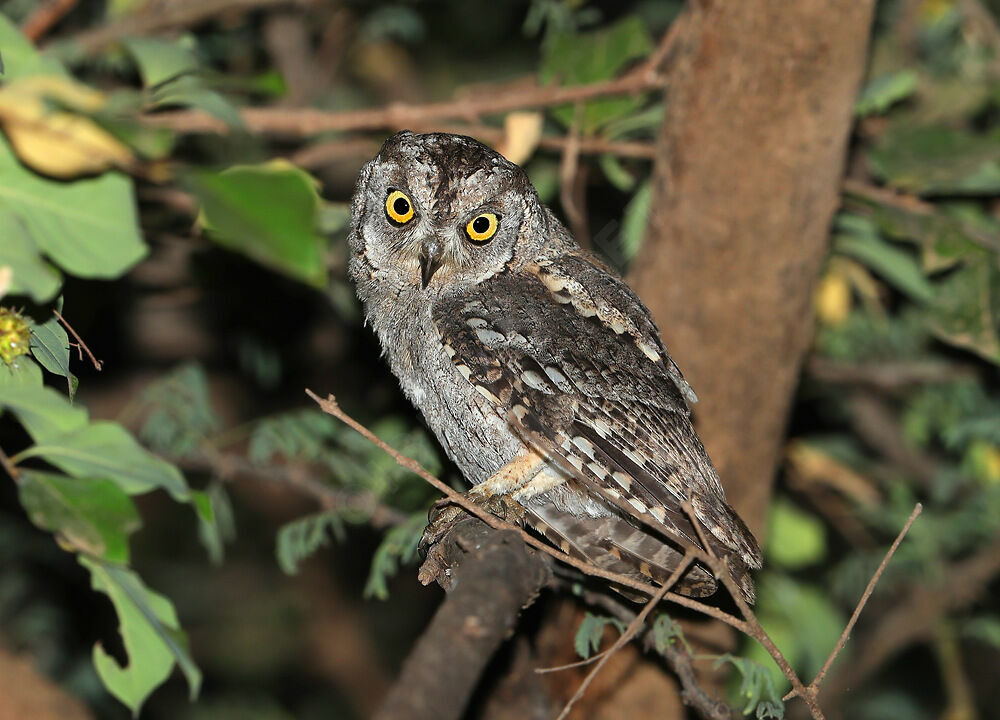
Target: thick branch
492,577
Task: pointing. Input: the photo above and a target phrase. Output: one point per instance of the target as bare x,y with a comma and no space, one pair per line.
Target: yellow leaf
57,141
833,299
522,131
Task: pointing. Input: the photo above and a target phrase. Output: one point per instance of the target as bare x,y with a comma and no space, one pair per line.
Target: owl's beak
430,261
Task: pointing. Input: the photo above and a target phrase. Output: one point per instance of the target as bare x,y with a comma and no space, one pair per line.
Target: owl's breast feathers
572,359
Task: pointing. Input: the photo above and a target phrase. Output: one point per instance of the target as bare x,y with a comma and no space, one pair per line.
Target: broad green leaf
87,227
269,212
795,538
50,346
32,276
937,161
573,58
44,412
151,634
92,515
105,449
160,60
20,58
22,371
885,91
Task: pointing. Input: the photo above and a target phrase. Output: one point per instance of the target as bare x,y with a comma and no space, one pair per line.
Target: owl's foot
444,515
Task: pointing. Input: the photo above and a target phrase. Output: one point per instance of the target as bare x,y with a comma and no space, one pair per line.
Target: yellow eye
482,227
398,207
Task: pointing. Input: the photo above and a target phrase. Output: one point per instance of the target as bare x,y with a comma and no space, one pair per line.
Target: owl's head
438,210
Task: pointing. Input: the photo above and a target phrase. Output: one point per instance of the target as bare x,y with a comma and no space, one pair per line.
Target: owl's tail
615,544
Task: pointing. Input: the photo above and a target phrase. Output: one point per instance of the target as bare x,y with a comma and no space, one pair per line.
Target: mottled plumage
541,373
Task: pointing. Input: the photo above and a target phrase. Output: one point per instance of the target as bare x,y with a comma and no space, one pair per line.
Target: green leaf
191,91
966,309
885,91
573,58
216,525
92,515
151,634
757,688
270,212
88,227
985,628
105,449
634,222
591,630
20,58
301,538
44,412
22,371
297,435
179,414
666,631
937,160
31,275
795,538
895,265
50,346
160,60
398,546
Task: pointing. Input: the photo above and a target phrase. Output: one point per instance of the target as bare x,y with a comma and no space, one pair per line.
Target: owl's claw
444,515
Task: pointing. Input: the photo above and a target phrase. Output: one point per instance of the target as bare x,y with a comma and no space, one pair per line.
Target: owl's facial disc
430,260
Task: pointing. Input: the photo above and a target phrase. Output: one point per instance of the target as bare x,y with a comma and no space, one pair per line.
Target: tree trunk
747,176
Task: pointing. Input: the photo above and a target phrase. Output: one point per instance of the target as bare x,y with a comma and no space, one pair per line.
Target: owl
541,373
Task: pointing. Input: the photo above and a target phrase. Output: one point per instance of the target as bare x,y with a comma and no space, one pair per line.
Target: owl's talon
444,515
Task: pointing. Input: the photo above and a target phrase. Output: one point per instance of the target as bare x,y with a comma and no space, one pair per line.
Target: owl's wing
571,357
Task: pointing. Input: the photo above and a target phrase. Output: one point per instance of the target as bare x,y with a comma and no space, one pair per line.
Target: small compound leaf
151,634
589,634
398,546
105,449
91,515
301,538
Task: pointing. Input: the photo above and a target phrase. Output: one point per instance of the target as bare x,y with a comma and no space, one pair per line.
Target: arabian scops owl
540,372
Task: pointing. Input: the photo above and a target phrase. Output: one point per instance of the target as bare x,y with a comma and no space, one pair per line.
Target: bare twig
821,675
7,464
299,122
45,17
81,346
887,376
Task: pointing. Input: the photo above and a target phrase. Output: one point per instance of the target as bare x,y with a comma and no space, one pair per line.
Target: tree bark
490,576
746,180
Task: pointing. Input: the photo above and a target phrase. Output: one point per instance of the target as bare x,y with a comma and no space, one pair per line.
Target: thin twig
81,346
569,666
299,122
45,17
7,464
821,675
625,637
